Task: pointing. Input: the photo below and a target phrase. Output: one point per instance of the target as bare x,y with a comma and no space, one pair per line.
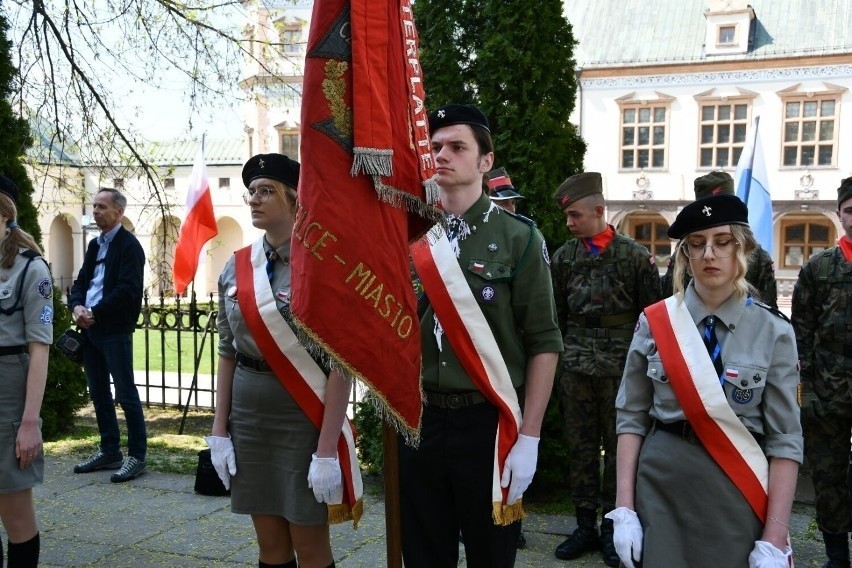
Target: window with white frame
169,183
801,237
722,134
727,35
810,133
224,183
643,137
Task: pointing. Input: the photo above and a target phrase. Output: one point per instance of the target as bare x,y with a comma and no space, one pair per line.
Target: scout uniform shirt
26,301
234,334
505,263
760,375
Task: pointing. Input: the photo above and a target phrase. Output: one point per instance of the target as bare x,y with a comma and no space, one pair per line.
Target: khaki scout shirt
505,262
234,334
761,376
32,322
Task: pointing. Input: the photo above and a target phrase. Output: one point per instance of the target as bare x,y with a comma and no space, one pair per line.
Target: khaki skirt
273,443
13,389
692,513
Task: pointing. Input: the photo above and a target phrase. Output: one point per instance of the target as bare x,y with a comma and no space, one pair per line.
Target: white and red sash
697,388
295,369
474,344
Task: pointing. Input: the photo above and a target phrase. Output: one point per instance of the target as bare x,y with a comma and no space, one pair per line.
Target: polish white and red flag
199,225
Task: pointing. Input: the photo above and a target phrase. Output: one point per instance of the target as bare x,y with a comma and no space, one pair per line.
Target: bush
65,392
369,441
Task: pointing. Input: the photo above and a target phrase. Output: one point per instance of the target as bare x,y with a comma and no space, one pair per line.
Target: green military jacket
505,263
760,274
598,300
822,318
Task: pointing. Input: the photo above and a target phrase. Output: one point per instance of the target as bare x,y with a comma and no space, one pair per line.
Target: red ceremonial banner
366,170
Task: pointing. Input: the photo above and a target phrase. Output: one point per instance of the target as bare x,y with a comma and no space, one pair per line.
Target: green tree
14,138
65,392
515,60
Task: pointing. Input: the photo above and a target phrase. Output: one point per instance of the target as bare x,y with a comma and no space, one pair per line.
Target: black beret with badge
8,187
272,166
844,192
451,114
714,183
707,213
577,187
500,185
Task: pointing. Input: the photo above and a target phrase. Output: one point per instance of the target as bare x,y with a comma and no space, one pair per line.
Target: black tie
712,344
271,257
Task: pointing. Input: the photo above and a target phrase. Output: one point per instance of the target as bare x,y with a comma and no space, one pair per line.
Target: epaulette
520,217
29,253
775,311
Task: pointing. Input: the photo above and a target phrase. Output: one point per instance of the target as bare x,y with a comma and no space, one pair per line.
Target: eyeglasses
261,192
722,248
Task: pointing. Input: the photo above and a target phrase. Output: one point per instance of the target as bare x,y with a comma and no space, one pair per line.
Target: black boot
837,550
610,556
582,540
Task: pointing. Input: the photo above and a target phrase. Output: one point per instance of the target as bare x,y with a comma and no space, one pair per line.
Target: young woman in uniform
709,440
26,332
282,468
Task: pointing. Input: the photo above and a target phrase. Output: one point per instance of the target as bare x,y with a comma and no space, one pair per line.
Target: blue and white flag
752,185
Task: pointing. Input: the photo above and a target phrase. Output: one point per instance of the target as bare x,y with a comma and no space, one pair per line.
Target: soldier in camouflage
602,281
822,312
761,271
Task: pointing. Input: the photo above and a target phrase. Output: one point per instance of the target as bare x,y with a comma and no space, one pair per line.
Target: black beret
448,115
8,187
577,187
709,212
272,166
844,192
714,183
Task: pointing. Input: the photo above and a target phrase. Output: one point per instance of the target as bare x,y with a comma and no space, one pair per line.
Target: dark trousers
445,487
112,354
827,449
588,408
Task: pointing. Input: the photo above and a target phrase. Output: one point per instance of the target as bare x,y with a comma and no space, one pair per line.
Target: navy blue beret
272,166
707,213
448,115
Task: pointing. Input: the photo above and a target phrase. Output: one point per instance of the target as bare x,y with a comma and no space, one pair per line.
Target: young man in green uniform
822,312
602,281
761,271
500,264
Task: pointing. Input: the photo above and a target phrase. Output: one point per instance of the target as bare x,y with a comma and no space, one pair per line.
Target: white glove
767,555
222,456
325,479
520,467
627,535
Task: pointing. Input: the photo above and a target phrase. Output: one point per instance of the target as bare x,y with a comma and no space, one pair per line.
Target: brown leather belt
683,430
258,365
13,350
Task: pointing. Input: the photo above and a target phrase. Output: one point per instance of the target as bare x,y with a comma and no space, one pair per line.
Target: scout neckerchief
474,344
295,369
694,381
845,247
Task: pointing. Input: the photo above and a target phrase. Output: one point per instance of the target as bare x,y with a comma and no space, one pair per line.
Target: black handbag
207,481
71,344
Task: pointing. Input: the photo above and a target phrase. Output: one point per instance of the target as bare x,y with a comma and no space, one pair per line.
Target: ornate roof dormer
728,27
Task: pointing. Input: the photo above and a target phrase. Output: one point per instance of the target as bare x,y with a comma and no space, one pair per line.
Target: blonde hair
747,245
285,193
16,238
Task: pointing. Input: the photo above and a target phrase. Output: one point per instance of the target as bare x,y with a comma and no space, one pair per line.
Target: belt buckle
454,401
599,333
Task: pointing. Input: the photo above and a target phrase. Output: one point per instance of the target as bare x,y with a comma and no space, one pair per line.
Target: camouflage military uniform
822,312
598,300
760,274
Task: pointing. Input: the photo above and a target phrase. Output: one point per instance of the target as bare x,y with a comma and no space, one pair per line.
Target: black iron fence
175,352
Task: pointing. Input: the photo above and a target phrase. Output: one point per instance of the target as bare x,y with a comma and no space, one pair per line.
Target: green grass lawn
163,346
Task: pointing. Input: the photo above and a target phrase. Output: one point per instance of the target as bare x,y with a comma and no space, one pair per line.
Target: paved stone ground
158,521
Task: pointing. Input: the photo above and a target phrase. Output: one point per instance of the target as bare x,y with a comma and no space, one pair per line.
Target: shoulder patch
544,253
45,288
772,310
